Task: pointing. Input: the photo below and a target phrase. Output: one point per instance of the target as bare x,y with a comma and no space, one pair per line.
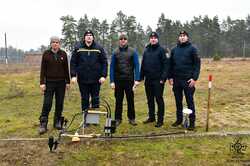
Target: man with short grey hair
54,78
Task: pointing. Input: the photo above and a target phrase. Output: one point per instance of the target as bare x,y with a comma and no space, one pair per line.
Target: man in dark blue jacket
89,65
184,72
154,69
124,76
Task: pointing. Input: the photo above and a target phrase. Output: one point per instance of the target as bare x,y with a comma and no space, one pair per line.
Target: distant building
33,58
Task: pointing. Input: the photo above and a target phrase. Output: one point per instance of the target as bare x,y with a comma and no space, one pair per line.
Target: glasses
123,38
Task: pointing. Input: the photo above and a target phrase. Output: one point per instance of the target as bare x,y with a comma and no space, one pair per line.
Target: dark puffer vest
124,66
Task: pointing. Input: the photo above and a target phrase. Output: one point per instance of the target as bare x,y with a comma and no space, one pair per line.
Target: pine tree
83,26
69,32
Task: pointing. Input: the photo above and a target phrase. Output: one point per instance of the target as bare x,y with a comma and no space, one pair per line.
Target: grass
21,104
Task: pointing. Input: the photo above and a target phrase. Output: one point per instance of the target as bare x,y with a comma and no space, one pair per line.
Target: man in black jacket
154,68
54,78
184,72
88,66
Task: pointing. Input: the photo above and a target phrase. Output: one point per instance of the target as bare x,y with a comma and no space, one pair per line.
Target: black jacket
154,63
184,62
88,63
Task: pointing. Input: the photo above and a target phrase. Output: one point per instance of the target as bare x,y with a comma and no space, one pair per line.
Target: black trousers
120,88
154,91
88,90
179,87
57,88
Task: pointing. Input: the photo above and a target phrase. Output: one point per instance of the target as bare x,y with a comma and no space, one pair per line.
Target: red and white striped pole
208,101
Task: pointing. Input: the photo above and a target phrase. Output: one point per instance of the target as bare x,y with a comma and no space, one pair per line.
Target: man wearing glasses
124,77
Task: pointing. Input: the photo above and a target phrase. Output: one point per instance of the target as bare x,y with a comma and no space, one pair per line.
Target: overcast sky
30,23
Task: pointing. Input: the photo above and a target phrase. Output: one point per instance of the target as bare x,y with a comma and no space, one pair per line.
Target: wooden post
6,50
208,101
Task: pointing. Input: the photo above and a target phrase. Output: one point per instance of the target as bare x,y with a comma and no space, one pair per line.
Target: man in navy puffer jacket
154,68
184,72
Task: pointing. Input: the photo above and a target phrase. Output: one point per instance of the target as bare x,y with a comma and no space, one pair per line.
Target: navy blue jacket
184,62
154,64
89,64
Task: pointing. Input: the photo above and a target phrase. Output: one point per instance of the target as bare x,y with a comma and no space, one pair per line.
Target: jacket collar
123,48
59,50
153,46
183,44
85,45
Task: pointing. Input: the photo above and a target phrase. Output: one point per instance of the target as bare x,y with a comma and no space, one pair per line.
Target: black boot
176,123
43,125
118,122
132,122
159,124
58,123
191,126
149,120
